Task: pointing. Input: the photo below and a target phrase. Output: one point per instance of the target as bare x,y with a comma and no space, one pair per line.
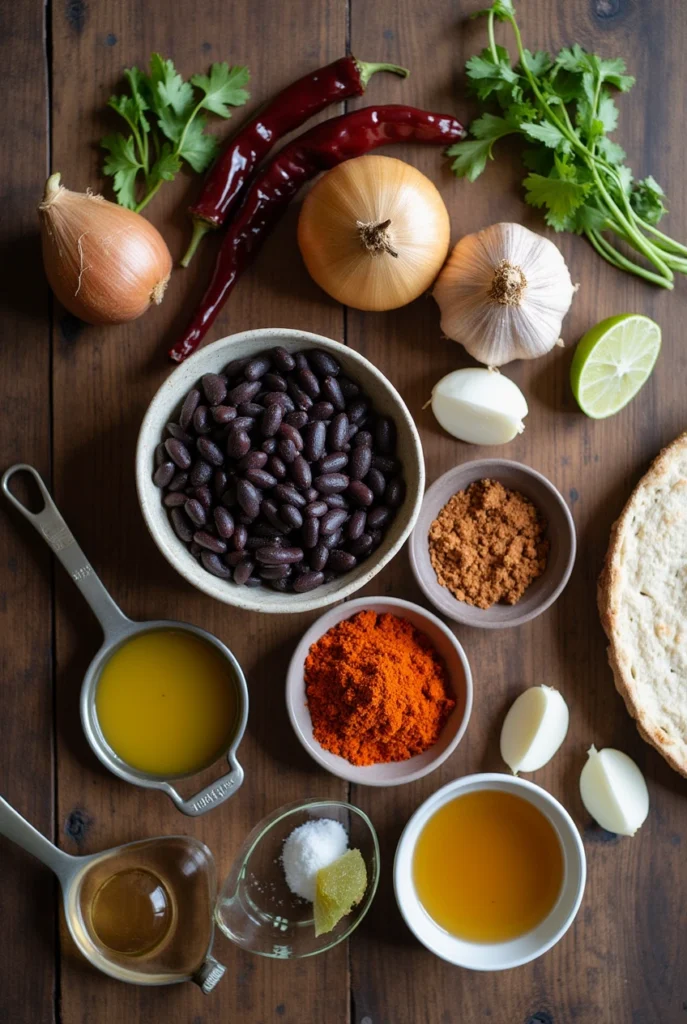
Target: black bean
322,363
271,420
384,464
363,439
238,444
311,532
316,508
248,497
395,492
224,522
178,453
181,525
360,462
278,556
274,382
307,581
188,408
310,493
233,558
206,540
356,524
361,545
178,482
322,411
288,495
174,430
253,460
332,540
235,367
243,423
296,419
301,472
252,409
276,467
281,586
261,478
379,517
246,520
275,572
215,565
314,440
243,572
331,391
331,483
204,496
257,367
240,537
376,536
349,388
318,557
270,510
385,435
219,482
228,498
291,516
200,473
174,498
257,540
287,450
336,501
292,434
352,431
357,410
338,432
301,361
201,420
195,549
214,388
278,398
223,414
341,561
332,521
376,481
269,445
360,492
301,399
163,474
210,451
161,455
282,359
244,392
309,383
253,581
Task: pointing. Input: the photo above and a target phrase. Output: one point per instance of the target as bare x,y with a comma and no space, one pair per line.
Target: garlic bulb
503,294
479,406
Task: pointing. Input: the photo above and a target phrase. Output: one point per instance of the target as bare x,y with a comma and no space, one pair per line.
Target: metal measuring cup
118,630
74,873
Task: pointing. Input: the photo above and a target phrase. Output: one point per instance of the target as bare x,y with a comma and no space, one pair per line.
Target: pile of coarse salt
313,845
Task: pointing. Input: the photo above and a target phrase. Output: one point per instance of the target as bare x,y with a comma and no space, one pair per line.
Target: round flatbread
643,604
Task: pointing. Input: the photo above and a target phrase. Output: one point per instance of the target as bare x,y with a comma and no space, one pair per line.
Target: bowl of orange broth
489,872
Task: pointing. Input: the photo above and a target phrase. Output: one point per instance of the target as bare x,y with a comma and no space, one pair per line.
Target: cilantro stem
148,196
665,243
612,255
492,37
180,143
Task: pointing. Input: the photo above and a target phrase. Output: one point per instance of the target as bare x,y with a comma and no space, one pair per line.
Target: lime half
612,361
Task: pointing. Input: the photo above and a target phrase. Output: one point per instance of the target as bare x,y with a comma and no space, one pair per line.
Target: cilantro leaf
537,63
224,86
607,112
572,58
138,86
610,150
198,149
548,134
647,198
487,76
560,196
123,165
472,155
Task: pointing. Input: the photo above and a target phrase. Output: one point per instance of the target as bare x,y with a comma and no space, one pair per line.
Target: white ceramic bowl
398,772
164,407
488,956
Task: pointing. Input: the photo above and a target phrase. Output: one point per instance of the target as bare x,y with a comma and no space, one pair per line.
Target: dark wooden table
72,399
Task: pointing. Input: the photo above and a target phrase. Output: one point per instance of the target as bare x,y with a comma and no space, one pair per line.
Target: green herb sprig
578,175
167,128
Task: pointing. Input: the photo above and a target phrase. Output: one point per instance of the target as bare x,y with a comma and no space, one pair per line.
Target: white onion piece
480,406
614,791
533,729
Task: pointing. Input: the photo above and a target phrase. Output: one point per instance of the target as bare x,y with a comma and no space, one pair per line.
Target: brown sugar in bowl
560,534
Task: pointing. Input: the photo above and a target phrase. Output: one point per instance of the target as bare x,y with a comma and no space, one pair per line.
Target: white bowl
397,772
164,407
492,956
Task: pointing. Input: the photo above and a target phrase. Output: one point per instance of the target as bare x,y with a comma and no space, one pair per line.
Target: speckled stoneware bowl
560,534
398,772
165,407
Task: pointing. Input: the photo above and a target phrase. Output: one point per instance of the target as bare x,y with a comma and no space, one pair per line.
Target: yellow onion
105,264
374,233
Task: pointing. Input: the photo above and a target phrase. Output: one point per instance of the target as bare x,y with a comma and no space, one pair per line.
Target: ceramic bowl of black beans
278,470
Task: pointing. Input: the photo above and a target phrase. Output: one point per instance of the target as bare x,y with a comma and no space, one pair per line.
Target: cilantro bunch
163,113
565,108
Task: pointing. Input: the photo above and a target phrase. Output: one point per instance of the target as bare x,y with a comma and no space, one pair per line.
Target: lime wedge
612,361
340,886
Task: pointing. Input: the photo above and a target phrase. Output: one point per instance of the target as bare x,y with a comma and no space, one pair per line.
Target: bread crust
609,596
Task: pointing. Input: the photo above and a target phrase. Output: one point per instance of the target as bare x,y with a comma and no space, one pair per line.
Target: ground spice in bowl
377,690
487,544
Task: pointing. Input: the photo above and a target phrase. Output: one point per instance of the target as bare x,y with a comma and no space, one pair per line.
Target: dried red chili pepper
287,111
324,146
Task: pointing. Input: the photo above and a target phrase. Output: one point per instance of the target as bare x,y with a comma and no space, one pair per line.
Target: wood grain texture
27,892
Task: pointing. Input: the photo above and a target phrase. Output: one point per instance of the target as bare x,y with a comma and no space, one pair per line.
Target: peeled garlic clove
479,406
533,729
614,791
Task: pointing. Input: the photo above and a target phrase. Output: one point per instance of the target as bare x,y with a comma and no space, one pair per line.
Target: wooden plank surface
27,891
621,961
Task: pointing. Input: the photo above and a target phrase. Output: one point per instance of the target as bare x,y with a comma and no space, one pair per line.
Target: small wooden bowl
560,534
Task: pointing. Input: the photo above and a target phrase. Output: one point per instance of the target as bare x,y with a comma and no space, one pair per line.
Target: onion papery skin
105,264
369,191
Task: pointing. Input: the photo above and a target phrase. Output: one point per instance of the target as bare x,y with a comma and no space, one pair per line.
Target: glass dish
257,910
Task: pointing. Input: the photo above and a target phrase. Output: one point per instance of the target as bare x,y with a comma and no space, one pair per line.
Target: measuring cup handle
212,796
57,535
13,826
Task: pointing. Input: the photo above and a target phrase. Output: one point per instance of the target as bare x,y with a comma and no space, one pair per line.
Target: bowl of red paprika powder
379,691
